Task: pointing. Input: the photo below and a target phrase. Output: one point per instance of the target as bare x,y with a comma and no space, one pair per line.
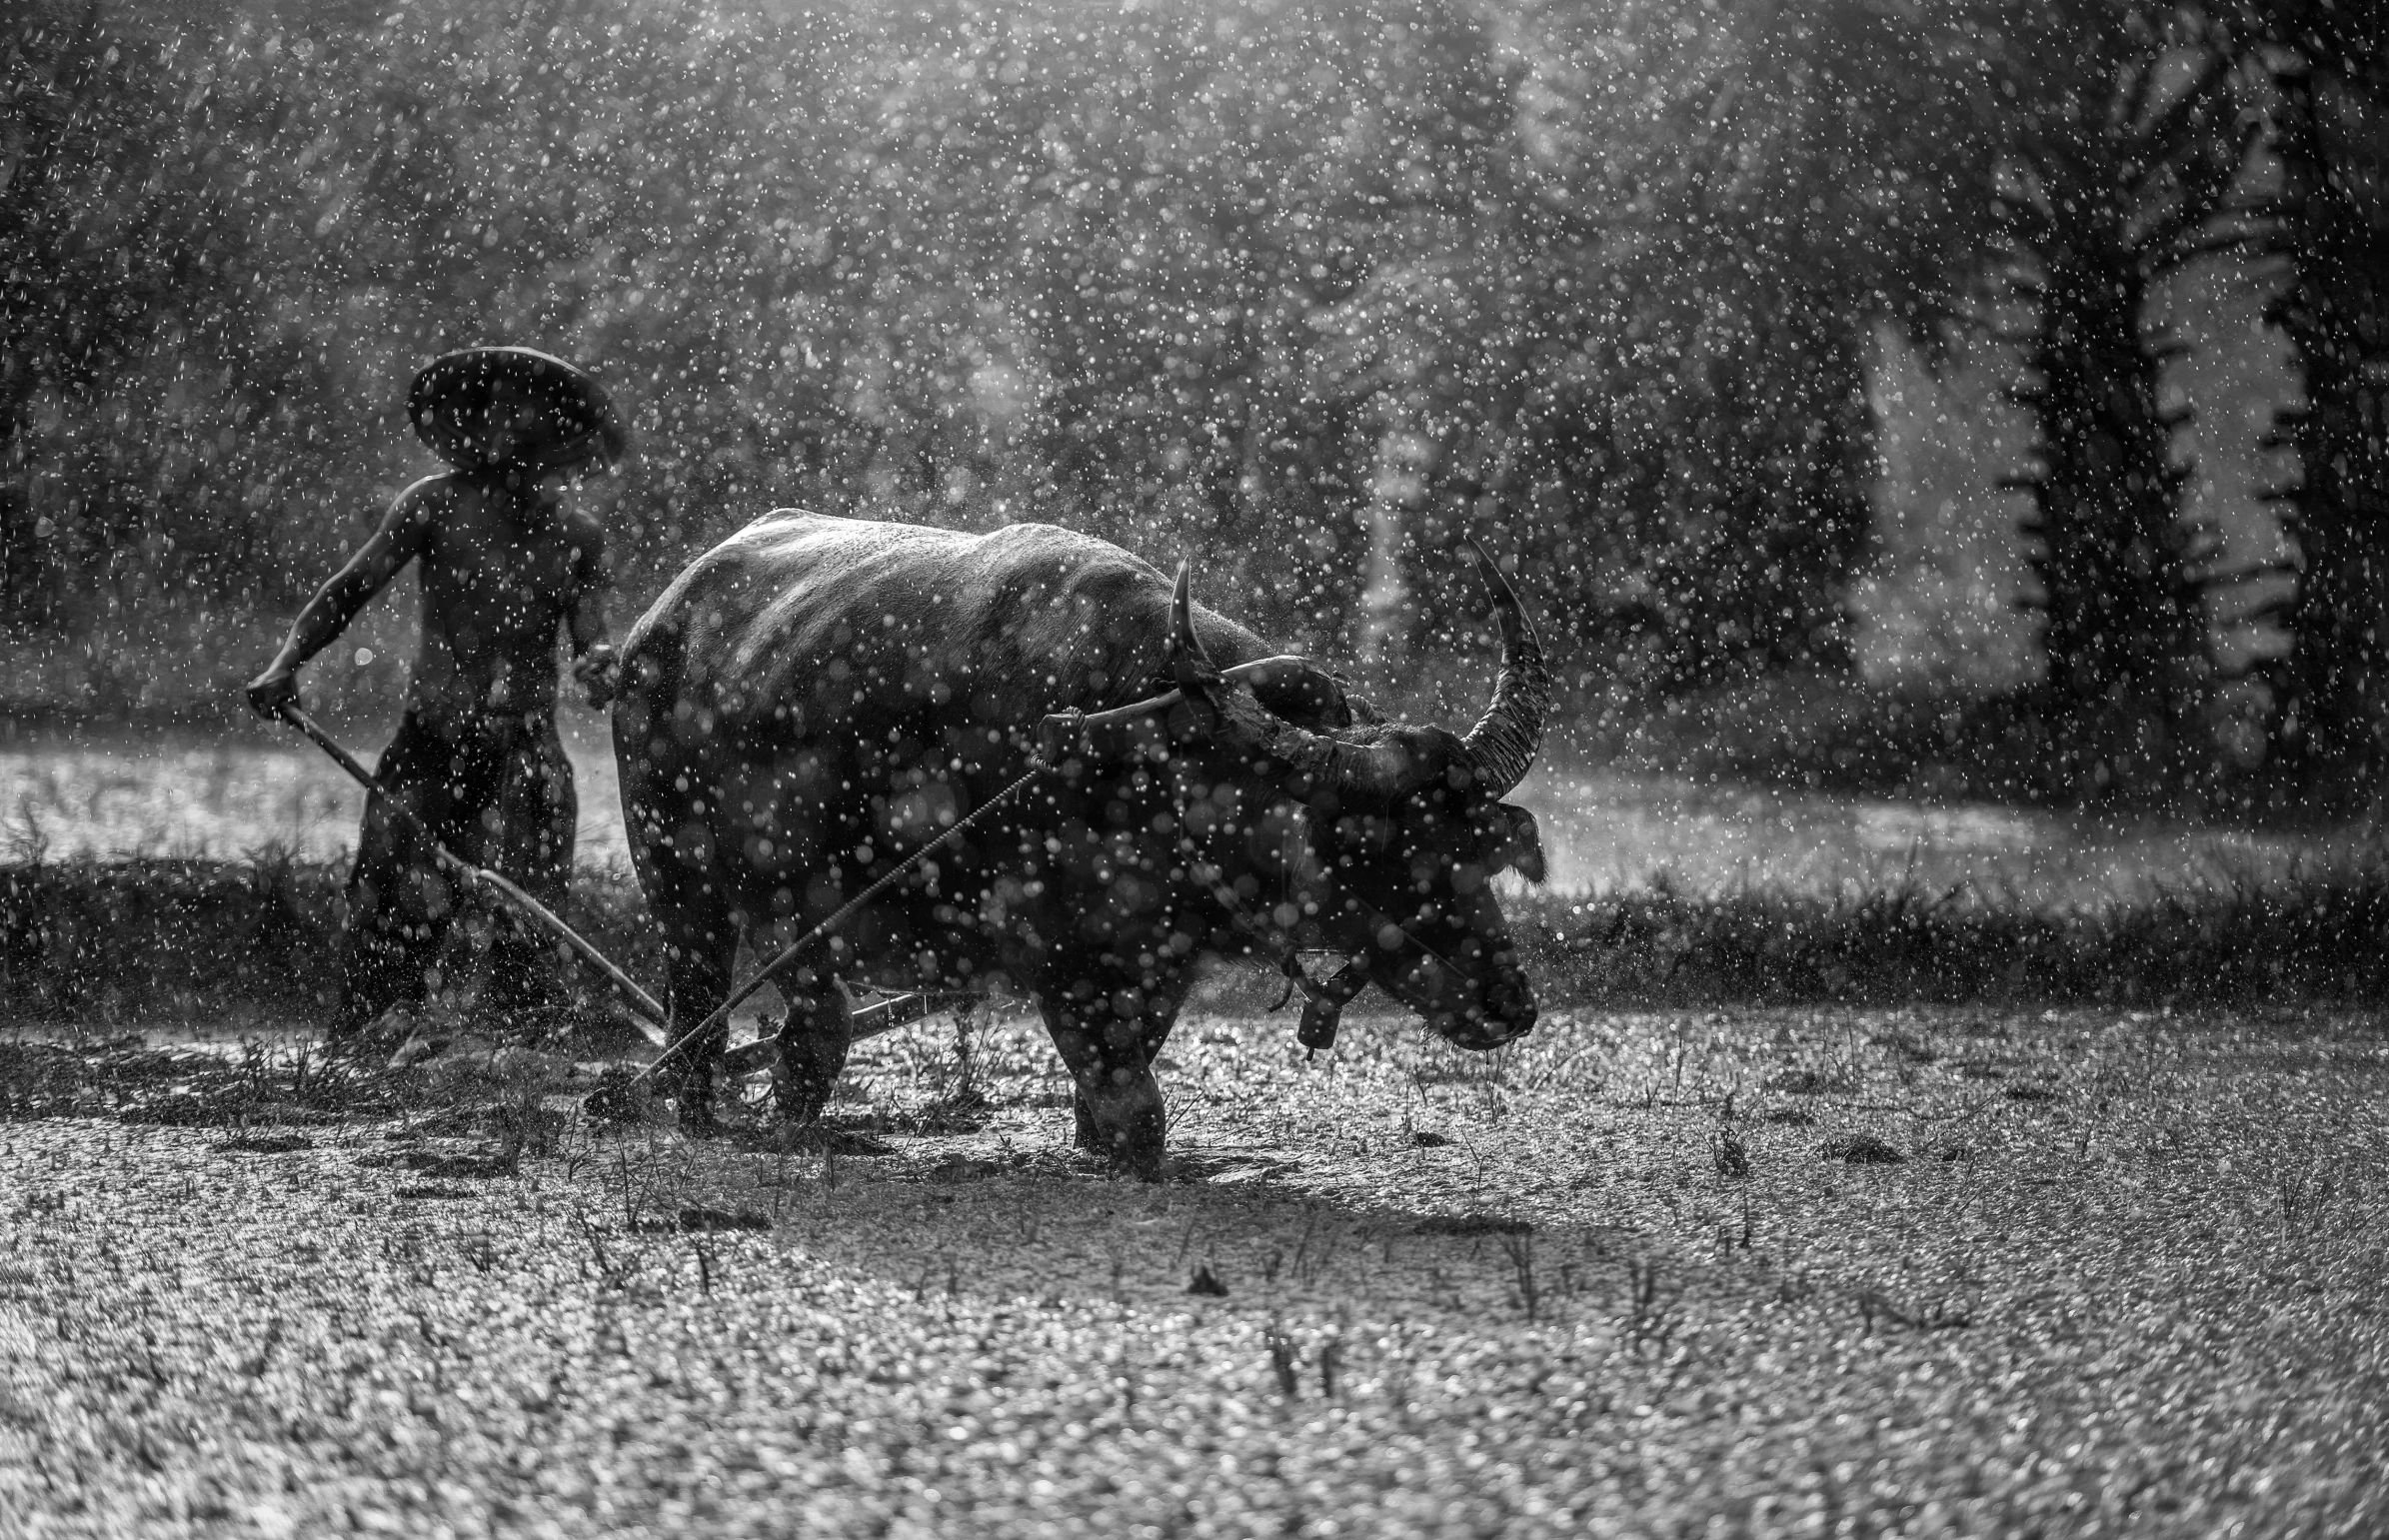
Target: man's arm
399,540
593,575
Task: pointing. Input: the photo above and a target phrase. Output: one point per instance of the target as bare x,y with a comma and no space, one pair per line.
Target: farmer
476,762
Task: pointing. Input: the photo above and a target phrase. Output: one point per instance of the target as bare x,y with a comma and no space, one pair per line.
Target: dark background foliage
1305,291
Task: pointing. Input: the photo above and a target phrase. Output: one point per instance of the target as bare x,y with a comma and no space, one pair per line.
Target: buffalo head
1376,839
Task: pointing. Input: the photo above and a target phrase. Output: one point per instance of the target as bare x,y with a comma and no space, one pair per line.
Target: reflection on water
1606,834
116,794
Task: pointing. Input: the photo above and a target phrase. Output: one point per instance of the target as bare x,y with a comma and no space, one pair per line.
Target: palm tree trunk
2125,627
2330,728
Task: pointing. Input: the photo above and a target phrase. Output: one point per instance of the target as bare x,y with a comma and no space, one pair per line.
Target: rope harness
1322,1000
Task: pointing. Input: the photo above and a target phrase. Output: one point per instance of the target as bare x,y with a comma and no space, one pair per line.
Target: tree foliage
1181,274
1309,291
2135,147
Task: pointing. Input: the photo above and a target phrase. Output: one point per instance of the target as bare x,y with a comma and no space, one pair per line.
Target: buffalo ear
1523,842
1301,692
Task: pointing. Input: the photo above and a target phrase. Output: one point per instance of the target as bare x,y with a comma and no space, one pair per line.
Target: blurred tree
1108,236
1308,291
2126,149
627,184
1187,240
2328,65
1630,310
354,193
1436,352
94,245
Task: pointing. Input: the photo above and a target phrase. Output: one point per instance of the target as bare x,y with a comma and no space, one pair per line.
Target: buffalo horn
1503,745
1188,663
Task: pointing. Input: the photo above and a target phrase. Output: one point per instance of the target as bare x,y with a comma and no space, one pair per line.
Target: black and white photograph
1194,769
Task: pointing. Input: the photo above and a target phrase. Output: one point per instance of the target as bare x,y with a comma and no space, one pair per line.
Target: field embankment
159,937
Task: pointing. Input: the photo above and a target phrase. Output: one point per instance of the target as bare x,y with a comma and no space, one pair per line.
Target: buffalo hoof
799,1092
696,1119
813,1049
693,1108
1125,1122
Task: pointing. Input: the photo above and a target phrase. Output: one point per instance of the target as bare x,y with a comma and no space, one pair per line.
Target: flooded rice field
114,792
1611,834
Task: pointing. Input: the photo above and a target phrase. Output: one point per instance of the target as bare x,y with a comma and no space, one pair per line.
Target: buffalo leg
667,755
813,1047
1118,1103
702,957
1161,1014
1154,1020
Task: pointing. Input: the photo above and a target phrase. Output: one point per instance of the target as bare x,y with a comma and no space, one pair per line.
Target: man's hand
272,690
598,672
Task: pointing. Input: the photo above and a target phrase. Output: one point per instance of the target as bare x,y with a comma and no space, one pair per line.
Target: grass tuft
699,1221
2225,937
262,1145
1729,1155
157,938
1474,1224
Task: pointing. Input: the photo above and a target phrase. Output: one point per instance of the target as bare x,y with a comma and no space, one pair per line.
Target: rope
842,914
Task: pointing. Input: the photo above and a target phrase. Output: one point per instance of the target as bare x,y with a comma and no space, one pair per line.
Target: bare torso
500,571
504,560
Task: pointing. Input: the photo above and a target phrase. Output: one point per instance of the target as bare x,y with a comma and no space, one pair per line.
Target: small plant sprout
1518,1249
2304,1187
1728,1155
1331,1364
1284,1363
1651,1302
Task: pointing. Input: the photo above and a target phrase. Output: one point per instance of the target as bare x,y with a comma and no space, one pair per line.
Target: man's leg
532,846
399,902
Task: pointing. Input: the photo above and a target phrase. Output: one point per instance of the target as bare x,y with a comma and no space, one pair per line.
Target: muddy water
120,794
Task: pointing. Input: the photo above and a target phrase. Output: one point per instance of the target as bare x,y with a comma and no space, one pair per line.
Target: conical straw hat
572,421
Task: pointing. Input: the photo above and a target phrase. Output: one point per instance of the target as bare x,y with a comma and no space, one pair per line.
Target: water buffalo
817,698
